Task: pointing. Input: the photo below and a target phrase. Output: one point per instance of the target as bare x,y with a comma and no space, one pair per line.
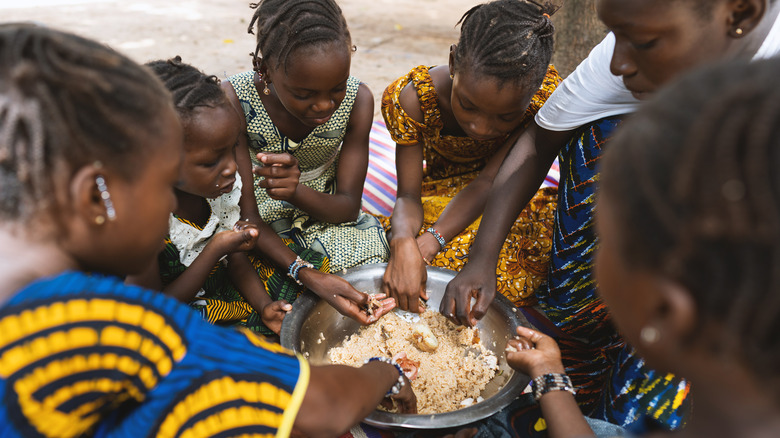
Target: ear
744,16
262,70
86,202
452,59
675,313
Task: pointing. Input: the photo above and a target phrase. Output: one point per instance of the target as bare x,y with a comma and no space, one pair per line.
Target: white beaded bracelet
396,388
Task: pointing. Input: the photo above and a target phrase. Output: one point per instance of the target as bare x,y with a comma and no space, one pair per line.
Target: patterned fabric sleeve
403,129
84,354
549,84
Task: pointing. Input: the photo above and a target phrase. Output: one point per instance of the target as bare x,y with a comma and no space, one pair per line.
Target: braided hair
190,87
66,101
695,174
284,26
510,40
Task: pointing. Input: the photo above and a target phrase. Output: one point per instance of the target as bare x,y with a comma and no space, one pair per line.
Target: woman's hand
471,281
405,276
534,354
343,297
273,314
280,173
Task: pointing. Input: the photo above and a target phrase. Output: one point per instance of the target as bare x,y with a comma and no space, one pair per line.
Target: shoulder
421,88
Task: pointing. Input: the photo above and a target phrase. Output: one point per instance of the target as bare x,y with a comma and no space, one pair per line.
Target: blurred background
392,36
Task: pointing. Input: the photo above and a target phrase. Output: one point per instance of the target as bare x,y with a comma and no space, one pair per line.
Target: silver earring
649,335
106,197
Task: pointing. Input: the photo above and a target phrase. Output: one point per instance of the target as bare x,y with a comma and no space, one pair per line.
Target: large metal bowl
311,316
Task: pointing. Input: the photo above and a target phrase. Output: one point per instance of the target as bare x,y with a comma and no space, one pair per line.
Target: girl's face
624,290
486,109
314,82
656,40
209,166
143,205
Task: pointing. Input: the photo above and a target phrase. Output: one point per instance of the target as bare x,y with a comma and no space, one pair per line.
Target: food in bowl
446,363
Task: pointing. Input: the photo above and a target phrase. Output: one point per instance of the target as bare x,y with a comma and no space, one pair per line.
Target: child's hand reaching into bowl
533,353
273,314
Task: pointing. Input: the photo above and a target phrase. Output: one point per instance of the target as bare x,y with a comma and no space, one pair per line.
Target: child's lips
228,187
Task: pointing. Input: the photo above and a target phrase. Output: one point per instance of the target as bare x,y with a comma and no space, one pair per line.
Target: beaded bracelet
395,389
438,236
295,268
545,383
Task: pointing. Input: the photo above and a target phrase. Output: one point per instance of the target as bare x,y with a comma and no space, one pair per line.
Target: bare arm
518,178
339,396
468,204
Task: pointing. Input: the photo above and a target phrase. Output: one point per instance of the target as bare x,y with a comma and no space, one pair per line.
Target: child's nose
481,128
324,105
230,168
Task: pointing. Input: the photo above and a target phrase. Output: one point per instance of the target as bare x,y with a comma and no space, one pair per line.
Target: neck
26,260
728,403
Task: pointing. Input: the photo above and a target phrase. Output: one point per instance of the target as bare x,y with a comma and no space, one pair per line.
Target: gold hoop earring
649,335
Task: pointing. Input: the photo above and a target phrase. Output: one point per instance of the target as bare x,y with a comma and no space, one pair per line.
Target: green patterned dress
346,244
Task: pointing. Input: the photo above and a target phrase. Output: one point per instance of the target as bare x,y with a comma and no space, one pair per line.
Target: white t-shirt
592,92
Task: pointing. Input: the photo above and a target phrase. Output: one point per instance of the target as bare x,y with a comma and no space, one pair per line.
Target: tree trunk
577,30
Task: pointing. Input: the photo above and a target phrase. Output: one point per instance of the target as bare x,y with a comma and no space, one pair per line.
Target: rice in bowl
449,378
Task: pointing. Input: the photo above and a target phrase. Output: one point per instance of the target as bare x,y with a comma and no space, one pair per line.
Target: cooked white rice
456,372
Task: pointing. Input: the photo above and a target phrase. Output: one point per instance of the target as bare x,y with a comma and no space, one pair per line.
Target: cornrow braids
510,40
284,26
695,174
66,101
190,87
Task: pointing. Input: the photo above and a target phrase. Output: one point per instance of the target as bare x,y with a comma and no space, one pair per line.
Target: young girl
452,125
90,150
206,225
652,42
307,123
689,222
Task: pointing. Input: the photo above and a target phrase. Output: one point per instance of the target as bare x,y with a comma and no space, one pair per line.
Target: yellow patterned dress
451,163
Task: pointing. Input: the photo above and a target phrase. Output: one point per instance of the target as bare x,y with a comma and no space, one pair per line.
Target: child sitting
453,125
307,122
206,225
90,151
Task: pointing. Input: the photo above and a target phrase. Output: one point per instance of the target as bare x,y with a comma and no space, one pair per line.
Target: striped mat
381,183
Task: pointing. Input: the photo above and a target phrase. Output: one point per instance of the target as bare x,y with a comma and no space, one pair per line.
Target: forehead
491,95
635,14
212,127
317,67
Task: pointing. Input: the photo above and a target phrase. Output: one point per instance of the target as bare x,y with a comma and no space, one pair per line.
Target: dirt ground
392,36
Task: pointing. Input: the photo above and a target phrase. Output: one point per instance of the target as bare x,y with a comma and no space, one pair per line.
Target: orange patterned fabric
451,163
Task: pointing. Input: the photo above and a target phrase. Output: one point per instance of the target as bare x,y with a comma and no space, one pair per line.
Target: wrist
399,383
438,236
293,271
550,382
546,368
